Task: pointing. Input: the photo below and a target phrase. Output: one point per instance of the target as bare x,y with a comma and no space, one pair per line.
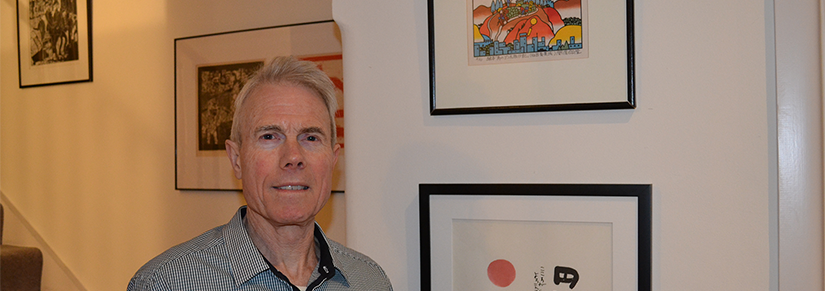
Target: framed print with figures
54,42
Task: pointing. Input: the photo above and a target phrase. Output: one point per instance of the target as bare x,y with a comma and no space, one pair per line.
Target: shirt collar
245,260
325,264
329,258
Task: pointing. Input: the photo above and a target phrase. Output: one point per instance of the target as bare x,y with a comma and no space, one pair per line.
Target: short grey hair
288,70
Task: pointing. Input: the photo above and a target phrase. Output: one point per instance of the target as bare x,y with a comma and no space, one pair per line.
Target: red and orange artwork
526,29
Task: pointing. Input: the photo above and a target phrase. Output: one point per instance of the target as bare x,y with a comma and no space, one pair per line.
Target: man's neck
289,248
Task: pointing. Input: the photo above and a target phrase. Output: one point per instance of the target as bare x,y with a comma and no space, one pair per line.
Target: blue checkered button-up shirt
224,258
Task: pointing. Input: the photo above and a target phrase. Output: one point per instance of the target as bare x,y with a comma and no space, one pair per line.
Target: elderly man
283,148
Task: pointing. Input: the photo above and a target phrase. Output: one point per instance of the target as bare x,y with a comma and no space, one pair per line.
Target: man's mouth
292,187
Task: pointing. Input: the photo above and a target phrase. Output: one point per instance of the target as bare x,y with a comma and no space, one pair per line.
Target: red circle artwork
501,273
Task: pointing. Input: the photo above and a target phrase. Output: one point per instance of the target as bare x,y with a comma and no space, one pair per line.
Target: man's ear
234,153
335,149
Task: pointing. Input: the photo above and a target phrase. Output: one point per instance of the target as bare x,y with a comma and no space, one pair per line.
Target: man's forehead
285,107
284,94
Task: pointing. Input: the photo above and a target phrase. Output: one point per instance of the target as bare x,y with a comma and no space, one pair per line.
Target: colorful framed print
211,69
54,42
499,56
535,237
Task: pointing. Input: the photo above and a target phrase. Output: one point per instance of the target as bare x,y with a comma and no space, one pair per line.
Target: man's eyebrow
274,128
313,129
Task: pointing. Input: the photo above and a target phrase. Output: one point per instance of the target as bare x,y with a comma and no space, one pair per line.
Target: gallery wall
702,135
90,166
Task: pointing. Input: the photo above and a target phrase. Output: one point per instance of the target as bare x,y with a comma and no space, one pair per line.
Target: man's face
286,157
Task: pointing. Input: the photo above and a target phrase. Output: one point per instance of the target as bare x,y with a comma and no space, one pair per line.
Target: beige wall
91,166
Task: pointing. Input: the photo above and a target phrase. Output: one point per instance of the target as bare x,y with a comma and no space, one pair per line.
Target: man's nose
293,156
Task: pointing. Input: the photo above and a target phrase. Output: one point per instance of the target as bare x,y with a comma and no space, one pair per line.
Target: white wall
702,135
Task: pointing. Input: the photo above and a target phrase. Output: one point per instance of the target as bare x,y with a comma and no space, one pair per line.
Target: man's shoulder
348,255
358,267
182,254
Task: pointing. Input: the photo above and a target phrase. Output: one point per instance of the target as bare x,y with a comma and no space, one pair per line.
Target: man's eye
268,136
312,138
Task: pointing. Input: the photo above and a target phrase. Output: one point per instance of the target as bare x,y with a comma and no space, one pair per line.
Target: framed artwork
211,69
499,56
535,237
54,42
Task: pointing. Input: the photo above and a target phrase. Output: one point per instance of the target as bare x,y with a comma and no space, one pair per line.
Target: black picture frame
463,200
604,80
54,42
